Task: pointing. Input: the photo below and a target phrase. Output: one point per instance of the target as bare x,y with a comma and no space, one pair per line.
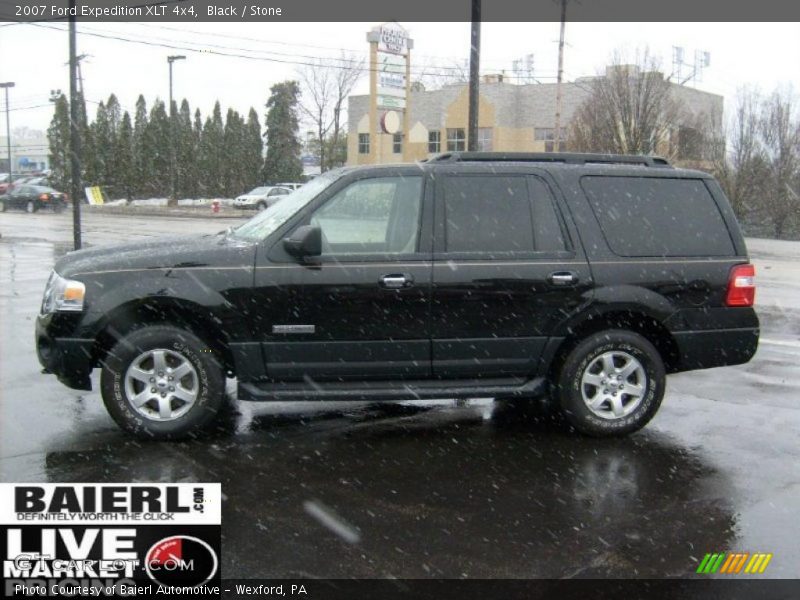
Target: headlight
63,295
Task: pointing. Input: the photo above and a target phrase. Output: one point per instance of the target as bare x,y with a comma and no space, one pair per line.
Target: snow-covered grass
164,202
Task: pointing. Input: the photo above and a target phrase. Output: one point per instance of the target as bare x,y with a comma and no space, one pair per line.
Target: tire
261,206
182,415
635,367
30,207
2,206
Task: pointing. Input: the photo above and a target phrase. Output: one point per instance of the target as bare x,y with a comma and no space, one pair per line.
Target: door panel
513,276
361,310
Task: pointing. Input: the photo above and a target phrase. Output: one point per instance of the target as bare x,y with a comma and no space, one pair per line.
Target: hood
214,250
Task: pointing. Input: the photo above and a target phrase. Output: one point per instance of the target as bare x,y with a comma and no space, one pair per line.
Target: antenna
701,61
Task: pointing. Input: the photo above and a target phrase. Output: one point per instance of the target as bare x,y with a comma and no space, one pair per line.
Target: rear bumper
715,347
69,359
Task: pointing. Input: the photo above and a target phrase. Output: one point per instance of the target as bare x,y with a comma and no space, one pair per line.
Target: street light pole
172,114
6,85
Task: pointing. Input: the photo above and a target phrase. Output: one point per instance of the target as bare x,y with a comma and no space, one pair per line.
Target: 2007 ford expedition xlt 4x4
590,277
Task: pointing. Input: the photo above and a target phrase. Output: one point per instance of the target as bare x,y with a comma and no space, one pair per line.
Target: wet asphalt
437,489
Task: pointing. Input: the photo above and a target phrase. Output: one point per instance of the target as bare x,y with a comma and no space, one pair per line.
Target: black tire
2,205
30,207
209,374
570,387
261,206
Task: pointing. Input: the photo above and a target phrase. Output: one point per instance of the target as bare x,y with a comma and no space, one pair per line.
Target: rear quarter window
652,216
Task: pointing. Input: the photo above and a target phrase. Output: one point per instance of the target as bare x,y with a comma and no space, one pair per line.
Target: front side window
434,142
363,143
456,140
371,216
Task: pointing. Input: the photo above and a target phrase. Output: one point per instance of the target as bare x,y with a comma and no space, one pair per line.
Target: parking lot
437,489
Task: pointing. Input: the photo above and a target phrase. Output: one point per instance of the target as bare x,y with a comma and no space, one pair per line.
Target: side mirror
305,241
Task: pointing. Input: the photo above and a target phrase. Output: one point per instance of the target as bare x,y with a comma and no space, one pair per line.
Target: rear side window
650,216
499,214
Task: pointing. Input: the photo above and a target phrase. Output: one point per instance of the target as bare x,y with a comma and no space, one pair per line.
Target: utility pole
74,131
6,86
474,74
557,132
172,115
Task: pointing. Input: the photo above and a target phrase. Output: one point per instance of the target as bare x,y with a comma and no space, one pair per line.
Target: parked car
261,197
32,198
35,180
8,182
586,278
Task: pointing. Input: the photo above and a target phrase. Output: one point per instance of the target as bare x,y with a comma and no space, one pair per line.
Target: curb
147,211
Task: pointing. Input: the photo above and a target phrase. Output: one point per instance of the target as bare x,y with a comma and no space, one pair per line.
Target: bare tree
780,132
741,170
345,81
325,85
630,109
434,75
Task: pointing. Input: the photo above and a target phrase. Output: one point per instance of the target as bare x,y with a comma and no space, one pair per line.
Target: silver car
261,197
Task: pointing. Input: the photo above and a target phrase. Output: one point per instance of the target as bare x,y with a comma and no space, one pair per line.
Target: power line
235,51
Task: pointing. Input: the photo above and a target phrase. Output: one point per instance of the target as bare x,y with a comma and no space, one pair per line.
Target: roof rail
553,157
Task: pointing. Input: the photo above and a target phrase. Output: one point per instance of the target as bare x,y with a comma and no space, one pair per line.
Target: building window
456,140
397,143
550,147
363,143
485,139
434,141
541,134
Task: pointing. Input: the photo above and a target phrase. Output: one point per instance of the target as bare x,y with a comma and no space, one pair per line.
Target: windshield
257,191
267,221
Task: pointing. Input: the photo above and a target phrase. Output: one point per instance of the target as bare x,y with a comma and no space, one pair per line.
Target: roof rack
553,157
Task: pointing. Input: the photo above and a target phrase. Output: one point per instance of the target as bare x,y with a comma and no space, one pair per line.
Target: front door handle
396,281
563,278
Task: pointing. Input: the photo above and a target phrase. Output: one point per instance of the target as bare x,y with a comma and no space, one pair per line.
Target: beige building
512,118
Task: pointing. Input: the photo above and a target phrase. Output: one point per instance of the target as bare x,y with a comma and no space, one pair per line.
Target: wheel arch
627,318
174,312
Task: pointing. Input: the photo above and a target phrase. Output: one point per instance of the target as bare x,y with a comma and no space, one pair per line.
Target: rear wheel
2,206
30,207
611,383
161,382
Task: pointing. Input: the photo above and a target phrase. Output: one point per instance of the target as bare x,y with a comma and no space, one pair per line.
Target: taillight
44,197
741,286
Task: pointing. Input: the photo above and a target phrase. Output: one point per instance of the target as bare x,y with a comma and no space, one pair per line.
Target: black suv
469,275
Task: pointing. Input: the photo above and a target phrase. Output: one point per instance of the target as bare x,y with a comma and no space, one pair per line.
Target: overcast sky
762,54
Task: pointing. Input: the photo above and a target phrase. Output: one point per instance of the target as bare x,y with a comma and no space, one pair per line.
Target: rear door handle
396,281
563,278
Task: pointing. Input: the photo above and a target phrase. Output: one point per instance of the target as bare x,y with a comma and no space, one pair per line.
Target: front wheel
161,382
261,206
611,383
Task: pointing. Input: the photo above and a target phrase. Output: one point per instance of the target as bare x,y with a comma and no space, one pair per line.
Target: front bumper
69,359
